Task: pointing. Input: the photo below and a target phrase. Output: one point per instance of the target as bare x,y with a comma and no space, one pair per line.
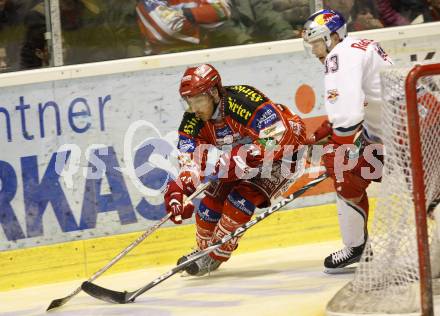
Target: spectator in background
93,30
81,26
179,25
360,14
11,33
294,11
124,36
365,16
84,36
389,13
4,63
416,11
434,10
35,14
10,13
34,52
98,30
261,21
403,12
342,6
251,21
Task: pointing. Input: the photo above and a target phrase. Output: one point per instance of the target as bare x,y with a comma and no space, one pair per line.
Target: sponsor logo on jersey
273,132
190,125
332,95
225,135
251,94
241,203
208,215
381,52
186,144
265,118
268,131
362,44
223,131
238,109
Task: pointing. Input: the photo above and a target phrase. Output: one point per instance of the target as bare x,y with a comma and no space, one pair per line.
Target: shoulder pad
190,125
241,101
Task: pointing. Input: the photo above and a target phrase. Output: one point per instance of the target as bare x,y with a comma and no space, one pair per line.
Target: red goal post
414,75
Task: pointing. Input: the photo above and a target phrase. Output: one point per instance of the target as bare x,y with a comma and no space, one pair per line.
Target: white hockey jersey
352,87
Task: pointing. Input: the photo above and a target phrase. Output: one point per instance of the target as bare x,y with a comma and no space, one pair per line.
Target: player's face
202,105
319,49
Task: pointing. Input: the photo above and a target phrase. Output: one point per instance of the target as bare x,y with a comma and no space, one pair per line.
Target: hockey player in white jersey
352,102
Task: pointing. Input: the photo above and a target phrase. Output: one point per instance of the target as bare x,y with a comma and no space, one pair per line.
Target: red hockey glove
239,163
321,133
329,160
174,203
337,159
188,180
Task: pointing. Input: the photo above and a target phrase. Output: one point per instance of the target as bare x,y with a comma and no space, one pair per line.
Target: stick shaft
239,231
149,231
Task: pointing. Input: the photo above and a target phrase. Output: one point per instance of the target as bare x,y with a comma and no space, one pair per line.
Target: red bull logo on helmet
324,18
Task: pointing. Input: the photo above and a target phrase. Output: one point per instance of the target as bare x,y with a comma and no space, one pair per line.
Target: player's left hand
174,203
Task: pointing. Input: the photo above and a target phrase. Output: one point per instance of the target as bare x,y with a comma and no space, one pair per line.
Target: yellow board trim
80,259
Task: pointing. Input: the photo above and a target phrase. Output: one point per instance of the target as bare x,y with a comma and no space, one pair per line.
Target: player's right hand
236,164
174,203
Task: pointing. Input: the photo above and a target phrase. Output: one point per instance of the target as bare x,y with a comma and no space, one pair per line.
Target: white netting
387,279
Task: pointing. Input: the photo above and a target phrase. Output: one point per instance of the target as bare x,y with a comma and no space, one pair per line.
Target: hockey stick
127,297
61,301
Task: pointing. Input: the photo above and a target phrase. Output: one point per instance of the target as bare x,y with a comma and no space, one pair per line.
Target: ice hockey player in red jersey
353,105
254,127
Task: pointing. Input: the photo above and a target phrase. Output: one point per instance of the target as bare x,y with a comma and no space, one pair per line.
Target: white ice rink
285,281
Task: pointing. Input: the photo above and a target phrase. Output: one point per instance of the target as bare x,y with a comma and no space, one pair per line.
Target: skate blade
344,270
185,274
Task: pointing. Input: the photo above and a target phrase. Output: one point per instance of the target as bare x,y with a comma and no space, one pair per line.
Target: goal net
388,279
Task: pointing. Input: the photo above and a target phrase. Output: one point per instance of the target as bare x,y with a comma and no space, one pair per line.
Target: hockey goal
399,274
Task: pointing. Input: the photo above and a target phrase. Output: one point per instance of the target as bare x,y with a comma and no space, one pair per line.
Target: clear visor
197,102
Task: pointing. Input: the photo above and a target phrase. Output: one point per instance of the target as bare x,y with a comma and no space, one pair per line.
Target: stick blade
104,294
57,303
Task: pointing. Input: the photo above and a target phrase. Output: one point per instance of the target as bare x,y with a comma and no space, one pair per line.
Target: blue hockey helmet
322,24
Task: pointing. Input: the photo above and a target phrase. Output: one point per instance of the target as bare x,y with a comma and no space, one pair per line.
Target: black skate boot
338,261
201,266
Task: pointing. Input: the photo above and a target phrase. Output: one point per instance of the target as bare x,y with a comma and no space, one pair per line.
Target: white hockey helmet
322,24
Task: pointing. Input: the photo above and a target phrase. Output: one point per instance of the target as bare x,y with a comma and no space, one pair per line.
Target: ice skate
201,266
341,260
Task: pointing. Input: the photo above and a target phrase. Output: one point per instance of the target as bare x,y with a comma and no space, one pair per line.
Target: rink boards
80,259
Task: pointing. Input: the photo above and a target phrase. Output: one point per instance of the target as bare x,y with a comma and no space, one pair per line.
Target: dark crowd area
98,30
